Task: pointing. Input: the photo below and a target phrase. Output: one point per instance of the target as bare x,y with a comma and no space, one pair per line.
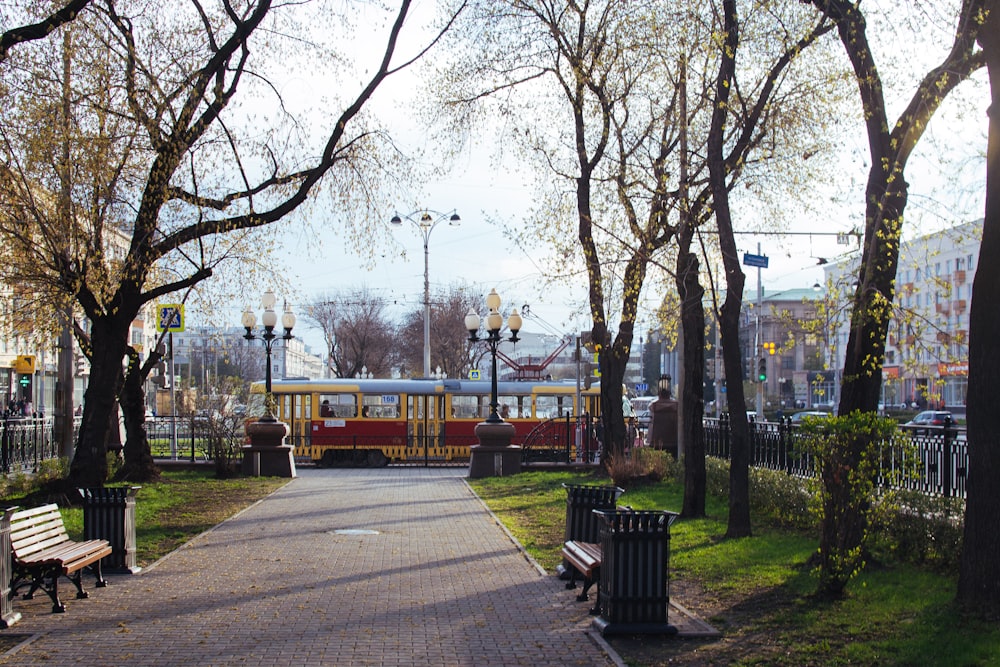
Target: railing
562,440
25,443
941,452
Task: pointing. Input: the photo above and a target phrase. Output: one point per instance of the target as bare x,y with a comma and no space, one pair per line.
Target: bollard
109,514
634,588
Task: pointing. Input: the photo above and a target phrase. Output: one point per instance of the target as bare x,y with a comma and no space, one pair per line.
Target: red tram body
373,422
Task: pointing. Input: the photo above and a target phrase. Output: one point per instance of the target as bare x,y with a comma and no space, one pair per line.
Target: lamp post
269,320
426,224
494,323
494,455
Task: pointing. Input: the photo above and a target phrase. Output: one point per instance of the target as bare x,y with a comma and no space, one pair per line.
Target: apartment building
927,350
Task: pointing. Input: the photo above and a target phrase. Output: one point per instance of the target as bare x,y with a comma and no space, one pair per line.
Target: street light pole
494,322
426,225
269,319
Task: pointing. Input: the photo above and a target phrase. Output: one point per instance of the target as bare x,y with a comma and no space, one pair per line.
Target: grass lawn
756,591
172,511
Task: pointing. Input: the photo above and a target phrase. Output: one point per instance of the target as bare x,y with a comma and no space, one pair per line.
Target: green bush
913,527
782,498
776,496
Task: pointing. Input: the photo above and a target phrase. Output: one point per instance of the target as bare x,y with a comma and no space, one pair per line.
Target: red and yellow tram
372,422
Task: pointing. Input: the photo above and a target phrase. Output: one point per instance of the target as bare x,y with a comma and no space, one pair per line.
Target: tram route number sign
170,317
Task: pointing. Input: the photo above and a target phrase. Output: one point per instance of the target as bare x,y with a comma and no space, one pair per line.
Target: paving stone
393,566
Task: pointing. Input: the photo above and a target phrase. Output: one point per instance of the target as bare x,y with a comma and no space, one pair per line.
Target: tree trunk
978,584
139,465
89,467
612,414
729,318
692,389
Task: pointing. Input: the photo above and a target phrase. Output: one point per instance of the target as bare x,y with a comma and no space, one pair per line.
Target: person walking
663,421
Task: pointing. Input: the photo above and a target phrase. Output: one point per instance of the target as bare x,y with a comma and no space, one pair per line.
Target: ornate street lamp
426,225
269,320
494,323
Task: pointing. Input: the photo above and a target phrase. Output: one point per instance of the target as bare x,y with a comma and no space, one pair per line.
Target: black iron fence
25,442
935,461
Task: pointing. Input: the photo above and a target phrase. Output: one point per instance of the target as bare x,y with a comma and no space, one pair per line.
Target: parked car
935,418
799,416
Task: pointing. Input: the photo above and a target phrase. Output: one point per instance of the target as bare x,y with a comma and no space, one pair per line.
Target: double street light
494,323
426,223
269,320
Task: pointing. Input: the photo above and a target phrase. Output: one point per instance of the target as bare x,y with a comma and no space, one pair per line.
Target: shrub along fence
941,452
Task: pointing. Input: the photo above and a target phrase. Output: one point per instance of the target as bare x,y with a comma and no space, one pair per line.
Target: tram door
425,428
296,411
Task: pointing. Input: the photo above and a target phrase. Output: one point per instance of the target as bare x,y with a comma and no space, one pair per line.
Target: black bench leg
596,609
587,583
571,584
96,567
77,579
51,589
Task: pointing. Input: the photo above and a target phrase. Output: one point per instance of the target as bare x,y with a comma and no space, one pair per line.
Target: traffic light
762,369
25,383
80,363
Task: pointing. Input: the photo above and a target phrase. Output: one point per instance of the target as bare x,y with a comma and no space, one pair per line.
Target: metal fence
941,455
940,467
25,442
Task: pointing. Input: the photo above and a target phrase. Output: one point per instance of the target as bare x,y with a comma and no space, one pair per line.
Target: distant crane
529,370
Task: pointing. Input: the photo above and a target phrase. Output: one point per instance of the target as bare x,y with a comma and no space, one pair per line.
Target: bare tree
40,29
182,178
449,344
358,333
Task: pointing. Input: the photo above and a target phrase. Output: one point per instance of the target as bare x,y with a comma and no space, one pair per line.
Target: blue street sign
755,260
642,386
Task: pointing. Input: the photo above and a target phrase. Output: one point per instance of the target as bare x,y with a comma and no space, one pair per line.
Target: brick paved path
439,584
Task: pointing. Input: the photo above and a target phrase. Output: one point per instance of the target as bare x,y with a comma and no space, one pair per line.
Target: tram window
465,407
338,405
380,407
508,406
547,407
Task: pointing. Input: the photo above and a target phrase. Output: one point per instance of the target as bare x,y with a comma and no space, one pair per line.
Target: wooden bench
585,558
42,552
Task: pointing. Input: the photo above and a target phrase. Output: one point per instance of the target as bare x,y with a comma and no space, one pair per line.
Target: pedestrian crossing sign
170,317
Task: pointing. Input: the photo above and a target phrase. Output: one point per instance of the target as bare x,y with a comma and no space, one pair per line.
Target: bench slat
584,556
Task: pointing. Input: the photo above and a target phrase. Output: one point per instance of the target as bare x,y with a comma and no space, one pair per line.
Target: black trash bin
109,514
582,524
634,587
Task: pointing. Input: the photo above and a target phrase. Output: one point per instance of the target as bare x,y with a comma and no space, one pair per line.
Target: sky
477,252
